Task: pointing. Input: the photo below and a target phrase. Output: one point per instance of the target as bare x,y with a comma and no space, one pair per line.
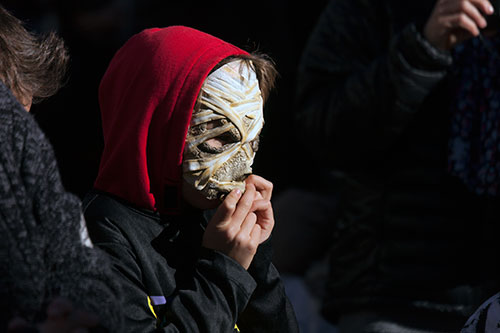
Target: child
181,114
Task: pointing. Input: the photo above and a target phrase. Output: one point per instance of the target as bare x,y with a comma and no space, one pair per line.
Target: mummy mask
224,131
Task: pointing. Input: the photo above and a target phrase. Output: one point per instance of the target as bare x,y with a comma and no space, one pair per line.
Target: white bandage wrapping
231,92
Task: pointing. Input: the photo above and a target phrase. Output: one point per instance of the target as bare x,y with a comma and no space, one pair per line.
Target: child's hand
262,205
234,230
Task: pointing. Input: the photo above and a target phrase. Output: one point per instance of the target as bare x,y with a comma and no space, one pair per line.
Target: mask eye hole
218,144
224,139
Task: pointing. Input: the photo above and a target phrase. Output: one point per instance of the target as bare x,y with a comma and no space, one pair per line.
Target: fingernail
491,9
238,191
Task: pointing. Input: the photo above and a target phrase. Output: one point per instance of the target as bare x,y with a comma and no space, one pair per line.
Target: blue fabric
486,318
474,145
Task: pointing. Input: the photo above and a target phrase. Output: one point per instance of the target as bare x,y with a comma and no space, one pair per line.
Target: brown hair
30,66
264,69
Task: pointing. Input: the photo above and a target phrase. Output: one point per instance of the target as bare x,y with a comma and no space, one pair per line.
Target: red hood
146,98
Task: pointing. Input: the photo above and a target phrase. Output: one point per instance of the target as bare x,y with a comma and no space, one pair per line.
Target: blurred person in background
399,105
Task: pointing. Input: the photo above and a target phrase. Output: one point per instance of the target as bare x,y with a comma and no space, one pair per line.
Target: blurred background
95,29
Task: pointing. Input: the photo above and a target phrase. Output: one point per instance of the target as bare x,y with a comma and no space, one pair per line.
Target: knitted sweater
43,252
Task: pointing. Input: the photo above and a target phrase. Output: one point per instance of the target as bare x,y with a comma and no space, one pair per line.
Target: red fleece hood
146,98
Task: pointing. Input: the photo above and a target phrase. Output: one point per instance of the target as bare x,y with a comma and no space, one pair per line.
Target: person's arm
360,84
269,309
43,255
209,300
75,270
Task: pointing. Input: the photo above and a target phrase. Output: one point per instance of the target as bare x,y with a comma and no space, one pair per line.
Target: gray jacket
44,251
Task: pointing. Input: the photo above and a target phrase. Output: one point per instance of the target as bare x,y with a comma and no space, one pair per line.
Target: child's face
224,133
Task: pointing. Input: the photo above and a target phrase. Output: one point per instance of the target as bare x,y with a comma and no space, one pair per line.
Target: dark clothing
43,252
190,288
375,96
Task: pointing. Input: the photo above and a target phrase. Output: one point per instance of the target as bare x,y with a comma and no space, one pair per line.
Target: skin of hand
454,21
62,317
242,222
262,206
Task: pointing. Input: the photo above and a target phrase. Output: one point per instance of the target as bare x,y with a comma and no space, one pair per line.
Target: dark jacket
44,252
373,95
172,284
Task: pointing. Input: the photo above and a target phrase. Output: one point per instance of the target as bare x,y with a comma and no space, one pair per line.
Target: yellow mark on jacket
151,307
